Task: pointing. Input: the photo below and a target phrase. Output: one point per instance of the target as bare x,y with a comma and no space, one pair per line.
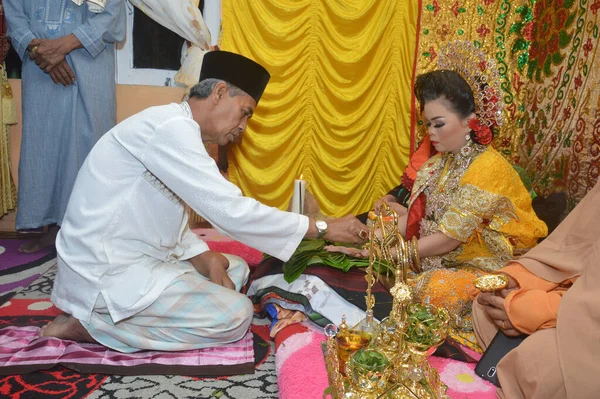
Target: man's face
230,117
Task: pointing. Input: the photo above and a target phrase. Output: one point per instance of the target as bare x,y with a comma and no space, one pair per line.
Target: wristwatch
321,228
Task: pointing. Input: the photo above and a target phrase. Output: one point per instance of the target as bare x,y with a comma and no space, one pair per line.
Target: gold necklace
441,190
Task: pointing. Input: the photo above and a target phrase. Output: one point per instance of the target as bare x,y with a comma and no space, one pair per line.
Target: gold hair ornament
482,76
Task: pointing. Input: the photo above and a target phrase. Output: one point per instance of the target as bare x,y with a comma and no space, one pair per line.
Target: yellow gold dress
477,198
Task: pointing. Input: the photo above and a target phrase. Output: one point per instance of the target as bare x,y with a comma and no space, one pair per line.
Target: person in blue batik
69,99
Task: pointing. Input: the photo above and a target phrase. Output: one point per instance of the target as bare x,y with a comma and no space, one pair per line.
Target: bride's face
447,129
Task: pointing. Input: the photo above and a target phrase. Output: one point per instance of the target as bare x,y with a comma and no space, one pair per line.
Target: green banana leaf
311,252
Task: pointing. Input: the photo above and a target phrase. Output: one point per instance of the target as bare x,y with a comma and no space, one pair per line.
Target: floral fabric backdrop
546,51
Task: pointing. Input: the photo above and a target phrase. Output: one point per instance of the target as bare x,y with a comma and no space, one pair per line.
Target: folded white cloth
96,6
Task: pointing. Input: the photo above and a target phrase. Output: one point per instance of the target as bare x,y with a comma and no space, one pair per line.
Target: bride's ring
363,234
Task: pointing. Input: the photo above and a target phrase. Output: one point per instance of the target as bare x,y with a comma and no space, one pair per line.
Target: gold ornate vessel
402,339
348,342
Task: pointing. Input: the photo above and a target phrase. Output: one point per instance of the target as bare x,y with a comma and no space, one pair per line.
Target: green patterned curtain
545,51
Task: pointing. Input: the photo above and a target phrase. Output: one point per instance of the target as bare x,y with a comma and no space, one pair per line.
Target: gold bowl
427,326
371,376
491,282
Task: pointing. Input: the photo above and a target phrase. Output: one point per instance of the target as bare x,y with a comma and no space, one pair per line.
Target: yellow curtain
338,107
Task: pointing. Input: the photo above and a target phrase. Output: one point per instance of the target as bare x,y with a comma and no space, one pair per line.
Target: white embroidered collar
186,109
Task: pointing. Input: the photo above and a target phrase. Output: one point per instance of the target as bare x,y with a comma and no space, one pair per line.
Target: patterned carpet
18,270
295,354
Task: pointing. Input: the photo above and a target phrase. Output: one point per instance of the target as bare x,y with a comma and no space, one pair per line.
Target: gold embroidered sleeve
472,209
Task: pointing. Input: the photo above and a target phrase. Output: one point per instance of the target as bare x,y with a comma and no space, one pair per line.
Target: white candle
299,196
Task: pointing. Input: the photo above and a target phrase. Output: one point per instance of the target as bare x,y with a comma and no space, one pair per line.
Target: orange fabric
415,214
446,288
419,157
449,289
534,306
525,278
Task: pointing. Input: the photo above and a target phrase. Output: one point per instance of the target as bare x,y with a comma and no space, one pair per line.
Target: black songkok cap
236,69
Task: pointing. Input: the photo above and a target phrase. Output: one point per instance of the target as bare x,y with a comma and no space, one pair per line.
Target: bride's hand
391,202
400,210
350,251
387,199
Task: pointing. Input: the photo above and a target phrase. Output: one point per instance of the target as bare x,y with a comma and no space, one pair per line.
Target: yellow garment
449,289
489,210
8,192
337,109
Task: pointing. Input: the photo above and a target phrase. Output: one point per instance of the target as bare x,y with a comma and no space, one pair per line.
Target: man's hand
493,305
214,266
311,206
63,74
48,53
347,230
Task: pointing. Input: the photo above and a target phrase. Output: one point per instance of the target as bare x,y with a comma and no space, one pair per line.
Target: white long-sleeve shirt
125,230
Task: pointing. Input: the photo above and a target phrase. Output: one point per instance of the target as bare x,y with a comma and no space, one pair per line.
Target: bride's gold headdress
482,76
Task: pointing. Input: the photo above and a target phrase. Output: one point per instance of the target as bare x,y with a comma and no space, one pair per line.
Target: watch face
321,224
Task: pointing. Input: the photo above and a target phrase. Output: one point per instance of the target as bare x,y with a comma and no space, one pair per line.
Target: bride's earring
465,151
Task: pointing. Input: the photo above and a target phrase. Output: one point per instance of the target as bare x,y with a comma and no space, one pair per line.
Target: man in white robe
131,274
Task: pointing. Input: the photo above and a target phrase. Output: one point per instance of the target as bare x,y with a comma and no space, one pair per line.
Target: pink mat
211,234
302,351
220,243
23,351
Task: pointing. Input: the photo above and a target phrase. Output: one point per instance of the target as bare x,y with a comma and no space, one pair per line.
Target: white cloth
184,18
322,298
96,6
125,230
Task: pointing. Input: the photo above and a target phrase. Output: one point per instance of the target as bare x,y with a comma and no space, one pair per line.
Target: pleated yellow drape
337,108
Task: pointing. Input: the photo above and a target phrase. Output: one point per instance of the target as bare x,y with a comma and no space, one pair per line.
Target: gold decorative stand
389,359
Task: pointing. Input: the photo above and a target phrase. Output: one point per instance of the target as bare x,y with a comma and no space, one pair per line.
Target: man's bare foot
41,241
67,327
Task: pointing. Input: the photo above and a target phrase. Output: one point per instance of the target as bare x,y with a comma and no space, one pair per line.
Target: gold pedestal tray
407,381
394,364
